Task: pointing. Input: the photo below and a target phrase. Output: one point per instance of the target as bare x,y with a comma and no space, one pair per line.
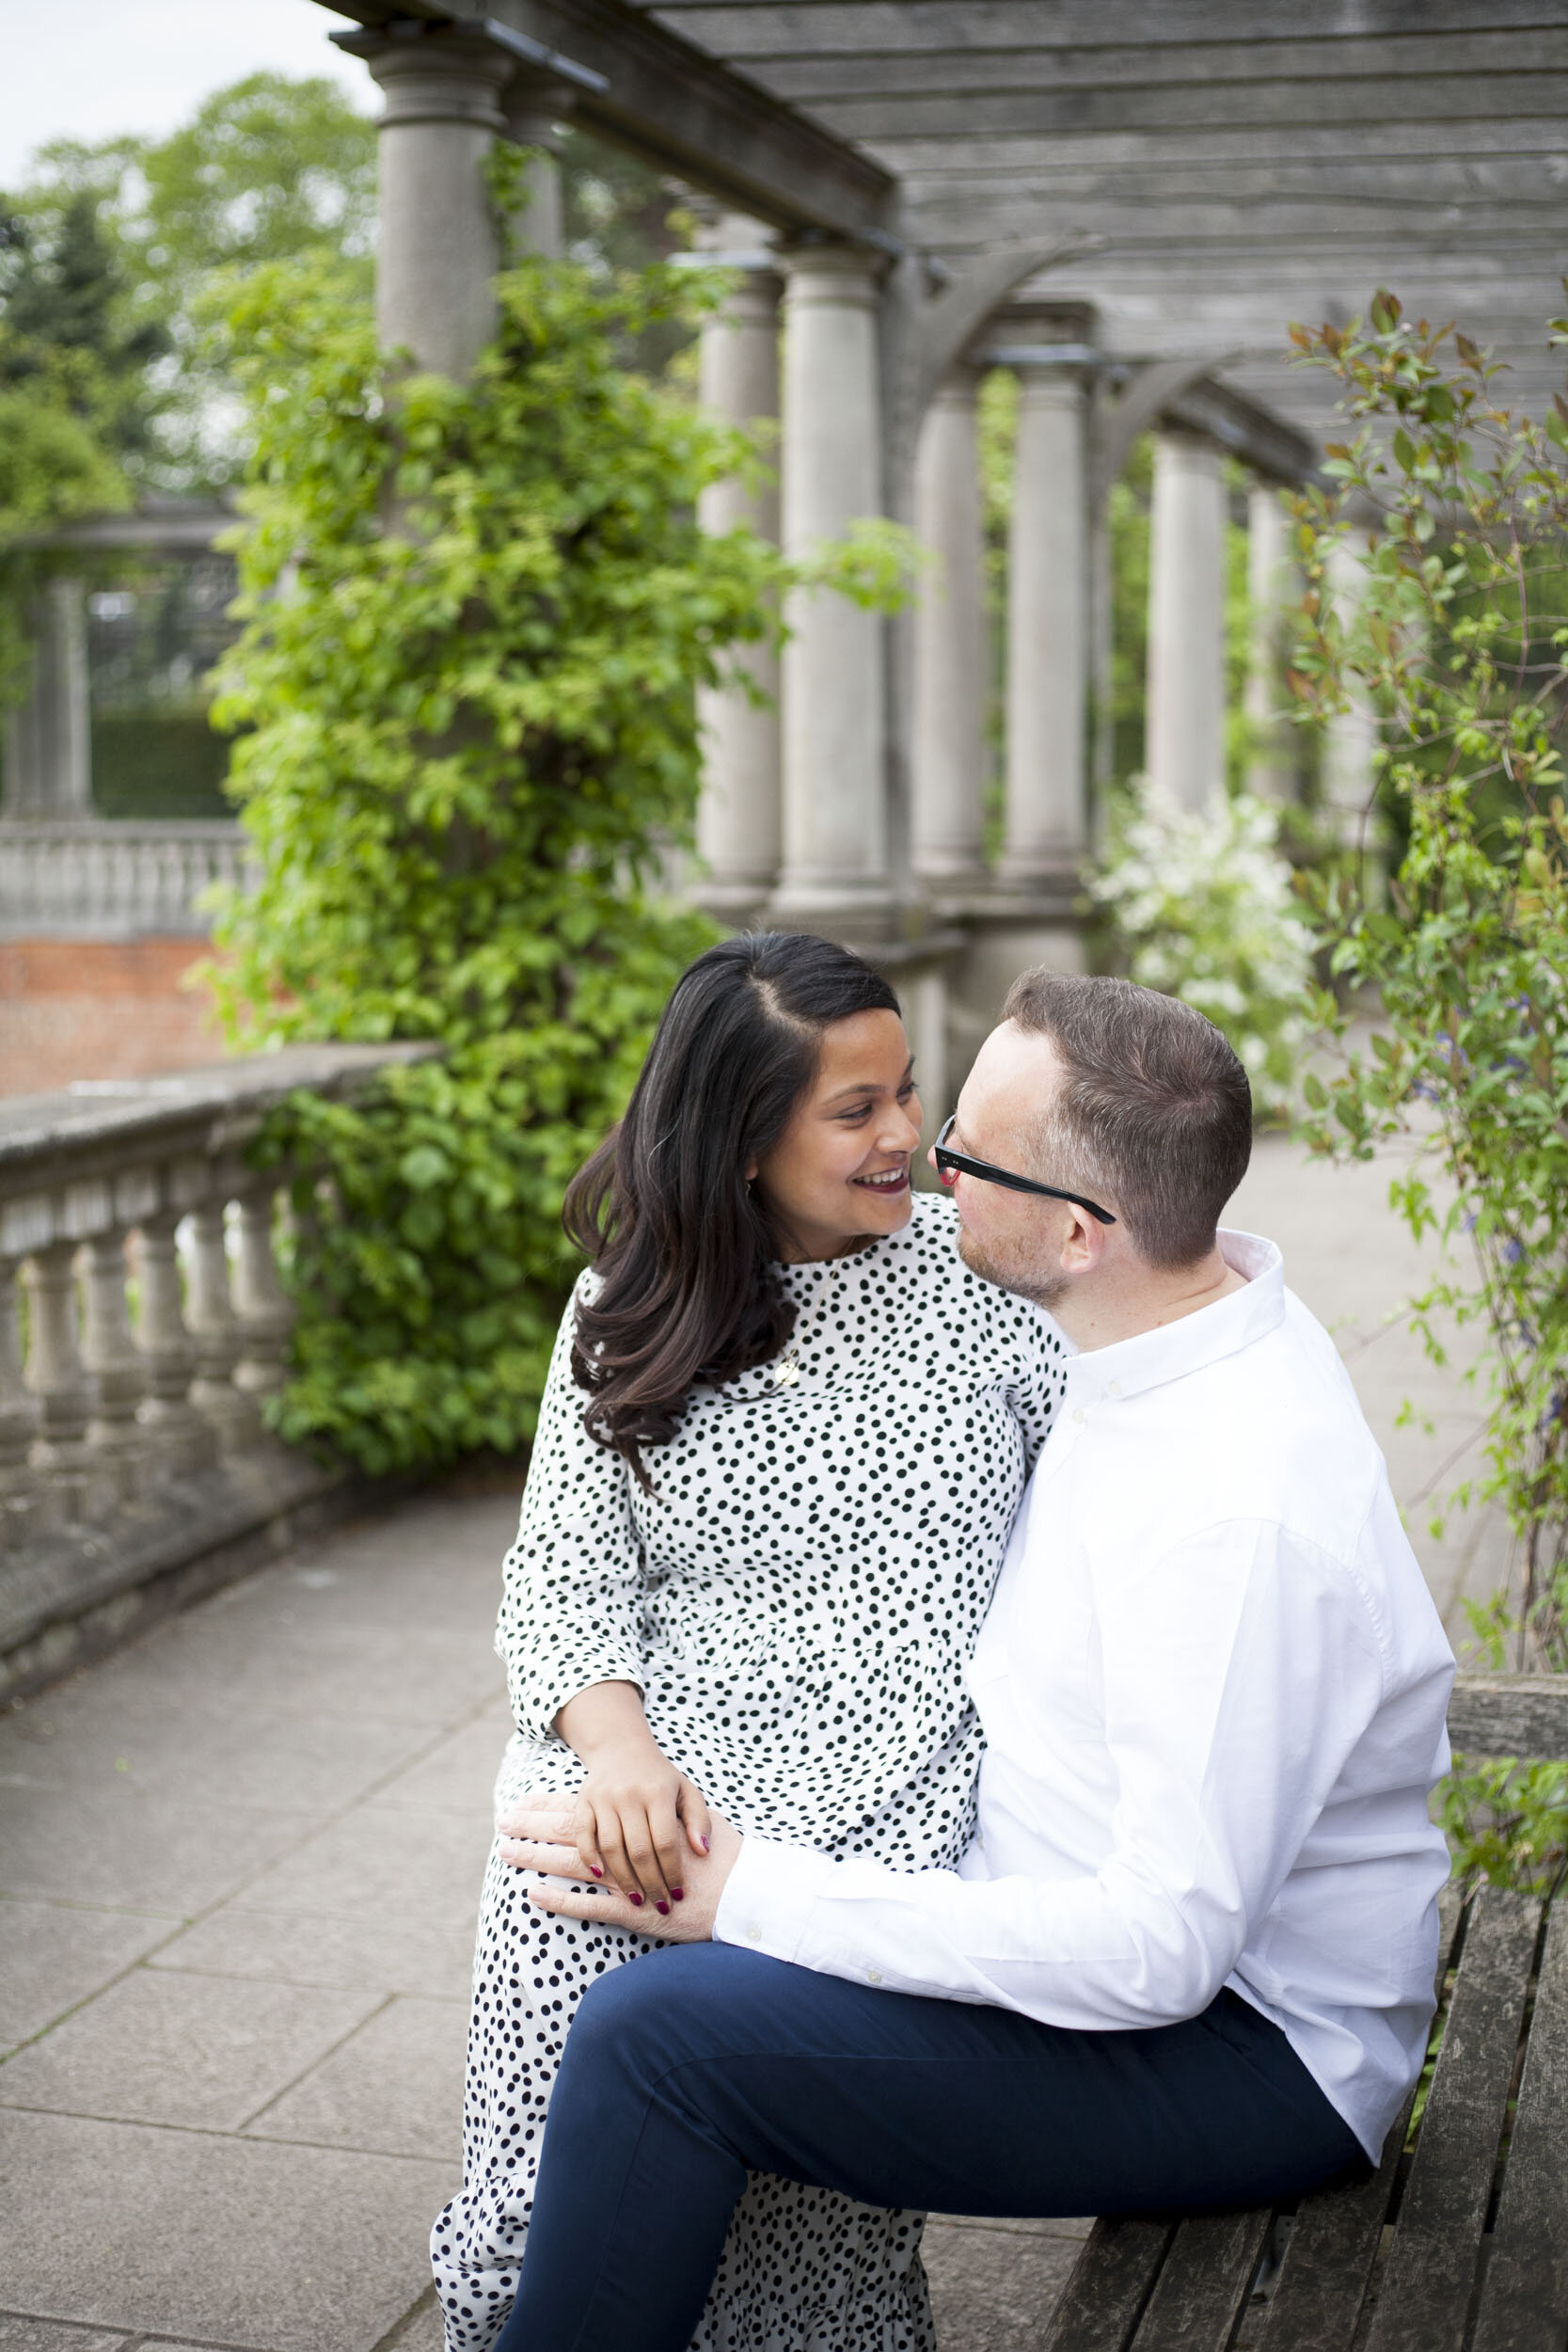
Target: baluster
20,1495
55,1376
216,1328
111,1357
267,1317
184,1440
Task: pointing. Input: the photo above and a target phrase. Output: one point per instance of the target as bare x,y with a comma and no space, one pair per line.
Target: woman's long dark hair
684,1248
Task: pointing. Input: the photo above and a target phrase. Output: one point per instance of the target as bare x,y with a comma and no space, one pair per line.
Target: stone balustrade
113,878
142,1323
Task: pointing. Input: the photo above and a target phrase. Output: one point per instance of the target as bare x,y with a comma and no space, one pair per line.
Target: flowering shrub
1203,907
1461,641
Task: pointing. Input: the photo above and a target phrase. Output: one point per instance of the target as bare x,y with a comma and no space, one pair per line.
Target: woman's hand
542,1838
636,1818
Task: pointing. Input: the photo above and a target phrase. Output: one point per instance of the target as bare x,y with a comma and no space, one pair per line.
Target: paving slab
395,2087
160,1735
295,1665
409,1864
127,1850
203,2052
422,2330
457,1775
53,1955
199,2234
375,1954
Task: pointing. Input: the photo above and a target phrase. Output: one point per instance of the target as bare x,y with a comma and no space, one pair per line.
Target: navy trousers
703,2061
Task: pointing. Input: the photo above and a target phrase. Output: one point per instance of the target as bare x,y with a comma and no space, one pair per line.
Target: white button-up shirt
1213,1688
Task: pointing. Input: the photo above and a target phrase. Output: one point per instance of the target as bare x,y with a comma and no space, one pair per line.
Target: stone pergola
1126,205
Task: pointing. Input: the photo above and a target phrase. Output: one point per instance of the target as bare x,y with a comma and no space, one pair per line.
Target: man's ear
1084,1242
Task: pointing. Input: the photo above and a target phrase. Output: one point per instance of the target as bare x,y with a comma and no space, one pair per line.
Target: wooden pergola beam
686,113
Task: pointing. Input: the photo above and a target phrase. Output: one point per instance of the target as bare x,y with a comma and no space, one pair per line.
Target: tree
1460,641
65,298
70,410
266,171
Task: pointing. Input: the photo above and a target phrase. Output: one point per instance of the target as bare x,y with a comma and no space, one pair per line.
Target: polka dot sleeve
570,1607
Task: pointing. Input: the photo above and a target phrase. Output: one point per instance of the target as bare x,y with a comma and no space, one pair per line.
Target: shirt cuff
768,1898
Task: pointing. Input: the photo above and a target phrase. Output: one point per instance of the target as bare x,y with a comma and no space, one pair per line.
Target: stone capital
842,277
440,77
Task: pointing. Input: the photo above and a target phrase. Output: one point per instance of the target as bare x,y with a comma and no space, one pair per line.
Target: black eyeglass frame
963,1165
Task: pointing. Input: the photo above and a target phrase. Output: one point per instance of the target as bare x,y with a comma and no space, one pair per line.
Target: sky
89,69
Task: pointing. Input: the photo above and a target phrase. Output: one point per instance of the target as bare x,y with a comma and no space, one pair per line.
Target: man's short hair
1154,1117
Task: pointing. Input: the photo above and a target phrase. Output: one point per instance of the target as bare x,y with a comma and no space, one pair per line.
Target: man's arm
1240,1670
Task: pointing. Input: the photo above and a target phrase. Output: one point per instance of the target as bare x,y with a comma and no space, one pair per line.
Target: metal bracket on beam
550,60
518,46
1043,355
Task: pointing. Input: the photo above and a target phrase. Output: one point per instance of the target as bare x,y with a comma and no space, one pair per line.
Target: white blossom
1203,905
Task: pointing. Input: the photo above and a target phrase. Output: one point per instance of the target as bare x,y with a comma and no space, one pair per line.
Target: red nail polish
704,1845
664,1908
636,1900
677,1894
594,1867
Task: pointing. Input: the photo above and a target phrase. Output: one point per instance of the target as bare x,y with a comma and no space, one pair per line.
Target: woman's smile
886,1179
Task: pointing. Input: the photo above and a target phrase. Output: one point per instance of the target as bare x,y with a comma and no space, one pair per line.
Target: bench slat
1203,2286
1423,2300
1509,1715
1524,2304
1328,2261
1112,2280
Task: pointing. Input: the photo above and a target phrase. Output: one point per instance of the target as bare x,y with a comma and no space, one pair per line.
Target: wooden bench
1459,2244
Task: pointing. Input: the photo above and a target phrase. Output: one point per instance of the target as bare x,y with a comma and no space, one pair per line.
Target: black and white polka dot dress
798,1599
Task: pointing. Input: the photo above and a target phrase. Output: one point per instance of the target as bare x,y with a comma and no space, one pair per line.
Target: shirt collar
1192,1342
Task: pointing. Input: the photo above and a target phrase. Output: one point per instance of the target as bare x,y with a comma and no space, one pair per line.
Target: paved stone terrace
238,1868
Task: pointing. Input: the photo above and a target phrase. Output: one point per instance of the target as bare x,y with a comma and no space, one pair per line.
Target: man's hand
538,1833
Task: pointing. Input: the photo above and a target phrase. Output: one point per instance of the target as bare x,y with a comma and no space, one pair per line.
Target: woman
781,1446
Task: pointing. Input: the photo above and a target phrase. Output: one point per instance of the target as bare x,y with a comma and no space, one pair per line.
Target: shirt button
754,1932
873,1976
1114,1387
1078,1412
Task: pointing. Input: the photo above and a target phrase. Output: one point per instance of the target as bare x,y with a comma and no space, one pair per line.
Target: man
1189,1958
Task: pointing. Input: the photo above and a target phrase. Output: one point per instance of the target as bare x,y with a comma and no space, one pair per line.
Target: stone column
263,1312
112,1358
1048,637
948,762
438,252
1184,750
1349,739
833,670
49,735
737,813
182,1440
215,1328
1271,770
57,1379
20,1491
535,106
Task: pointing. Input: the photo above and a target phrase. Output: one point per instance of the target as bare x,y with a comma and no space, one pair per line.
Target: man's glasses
952,1164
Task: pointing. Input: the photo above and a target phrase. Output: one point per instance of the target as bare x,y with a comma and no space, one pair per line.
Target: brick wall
98,1009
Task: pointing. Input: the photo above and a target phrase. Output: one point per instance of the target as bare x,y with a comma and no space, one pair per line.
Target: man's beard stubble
1015,1273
